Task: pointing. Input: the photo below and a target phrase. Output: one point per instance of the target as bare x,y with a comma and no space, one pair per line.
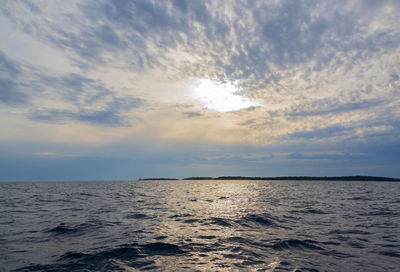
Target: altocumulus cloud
319,70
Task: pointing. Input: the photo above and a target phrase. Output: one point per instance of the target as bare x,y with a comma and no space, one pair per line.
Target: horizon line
298,178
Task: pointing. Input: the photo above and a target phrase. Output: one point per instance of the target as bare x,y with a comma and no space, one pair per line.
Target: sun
220,97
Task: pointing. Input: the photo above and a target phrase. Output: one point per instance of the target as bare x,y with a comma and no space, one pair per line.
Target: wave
310,211
137,216
263,219
352,231
207,237
296,244
221,222
130,255
249,220
390,253
64,229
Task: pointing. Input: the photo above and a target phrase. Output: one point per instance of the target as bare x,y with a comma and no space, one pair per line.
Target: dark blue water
200,226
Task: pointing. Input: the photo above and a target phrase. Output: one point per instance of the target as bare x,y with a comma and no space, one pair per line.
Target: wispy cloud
9,92
90,100
325,156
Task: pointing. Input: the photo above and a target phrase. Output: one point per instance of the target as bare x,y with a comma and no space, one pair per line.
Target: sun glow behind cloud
221,97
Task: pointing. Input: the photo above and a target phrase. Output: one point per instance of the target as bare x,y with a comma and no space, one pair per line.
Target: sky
104,89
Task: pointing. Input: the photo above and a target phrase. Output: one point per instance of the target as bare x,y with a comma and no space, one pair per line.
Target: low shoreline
334,178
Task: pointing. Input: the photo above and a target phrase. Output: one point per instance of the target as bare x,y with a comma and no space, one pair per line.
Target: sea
200,225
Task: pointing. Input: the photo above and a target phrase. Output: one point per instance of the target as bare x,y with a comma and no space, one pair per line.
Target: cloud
325,156
324,132
91,101
333,106
248,122
83,91
191,114
108,117
83,99
9,92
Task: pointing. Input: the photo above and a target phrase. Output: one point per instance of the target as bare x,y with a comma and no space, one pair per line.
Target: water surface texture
207,225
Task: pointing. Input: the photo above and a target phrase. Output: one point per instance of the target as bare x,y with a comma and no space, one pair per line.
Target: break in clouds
322,72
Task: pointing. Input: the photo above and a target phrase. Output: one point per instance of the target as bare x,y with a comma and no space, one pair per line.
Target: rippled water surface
200,226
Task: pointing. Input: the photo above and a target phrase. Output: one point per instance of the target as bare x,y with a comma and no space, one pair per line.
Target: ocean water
232,225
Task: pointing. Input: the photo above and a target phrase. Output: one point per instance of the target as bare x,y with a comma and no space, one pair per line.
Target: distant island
158,179
338,178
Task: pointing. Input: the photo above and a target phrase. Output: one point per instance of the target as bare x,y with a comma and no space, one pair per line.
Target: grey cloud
91,101
10,93
251,108
291,31
86,94
77,89
237,159
126,26
107,117
348,130
332,106
7,67
248,122
107,35
325,156
111,115
191,114
324,132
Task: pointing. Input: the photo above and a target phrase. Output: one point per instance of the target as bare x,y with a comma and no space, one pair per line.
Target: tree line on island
338,178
